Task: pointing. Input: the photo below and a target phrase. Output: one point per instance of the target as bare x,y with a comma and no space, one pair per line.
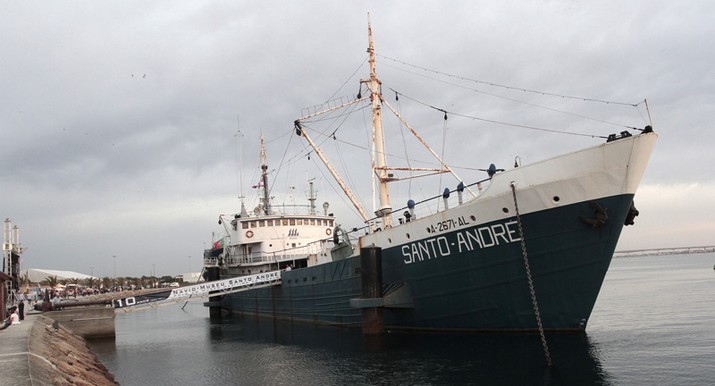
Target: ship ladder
534,302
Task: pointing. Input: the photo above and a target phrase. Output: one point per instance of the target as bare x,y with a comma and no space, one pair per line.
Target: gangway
197,291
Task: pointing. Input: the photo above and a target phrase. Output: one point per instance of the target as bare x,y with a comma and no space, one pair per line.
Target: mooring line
529,278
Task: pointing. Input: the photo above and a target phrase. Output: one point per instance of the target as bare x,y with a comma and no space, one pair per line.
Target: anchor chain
530,280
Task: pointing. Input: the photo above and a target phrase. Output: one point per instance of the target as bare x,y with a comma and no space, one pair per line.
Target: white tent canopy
39,275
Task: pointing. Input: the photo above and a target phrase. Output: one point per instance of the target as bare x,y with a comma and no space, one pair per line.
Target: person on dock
14,318
21,305
55,302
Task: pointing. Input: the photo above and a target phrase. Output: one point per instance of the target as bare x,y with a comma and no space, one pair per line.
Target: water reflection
345,356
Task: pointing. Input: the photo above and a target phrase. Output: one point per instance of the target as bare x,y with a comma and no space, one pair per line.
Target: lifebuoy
249,234
328,231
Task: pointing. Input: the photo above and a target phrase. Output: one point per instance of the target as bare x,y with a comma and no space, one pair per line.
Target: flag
258,185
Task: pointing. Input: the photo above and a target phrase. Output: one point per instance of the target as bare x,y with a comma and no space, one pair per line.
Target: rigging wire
524,102
350,183
501,123
585,99
404,144
441,156
307,149
329,180
349,78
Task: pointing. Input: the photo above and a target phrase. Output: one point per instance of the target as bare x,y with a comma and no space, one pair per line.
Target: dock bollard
371,280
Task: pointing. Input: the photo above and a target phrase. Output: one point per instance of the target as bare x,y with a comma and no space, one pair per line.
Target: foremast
379,166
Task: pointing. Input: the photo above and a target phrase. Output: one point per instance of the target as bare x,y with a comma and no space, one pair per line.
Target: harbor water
652,324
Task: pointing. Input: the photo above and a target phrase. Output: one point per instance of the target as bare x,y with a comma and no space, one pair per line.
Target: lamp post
115,270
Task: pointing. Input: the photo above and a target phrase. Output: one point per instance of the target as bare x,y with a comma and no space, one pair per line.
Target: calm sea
654,323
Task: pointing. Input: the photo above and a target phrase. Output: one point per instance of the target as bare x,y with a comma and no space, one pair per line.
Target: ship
521,250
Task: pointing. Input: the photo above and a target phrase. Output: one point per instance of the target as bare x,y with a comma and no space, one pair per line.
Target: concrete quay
35,353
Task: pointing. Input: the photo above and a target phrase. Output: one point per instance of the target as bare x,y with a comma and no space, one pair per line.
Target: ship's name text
460,242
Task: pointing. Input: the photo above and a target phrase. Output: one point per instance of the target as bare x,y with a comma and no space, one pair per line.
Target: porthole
557,198
473,218
505,210
408,235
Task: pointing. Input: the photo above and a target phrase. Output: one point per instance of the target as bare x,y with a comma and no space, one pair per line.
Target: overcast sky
120,120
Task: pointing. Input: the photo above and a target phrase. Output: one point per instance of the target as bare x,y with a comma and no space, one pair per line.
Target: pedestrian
56,302
21,305
14,318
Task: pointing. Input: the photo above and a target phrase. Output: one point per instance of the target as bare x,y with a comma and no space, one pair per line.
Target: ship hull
475,289
468,268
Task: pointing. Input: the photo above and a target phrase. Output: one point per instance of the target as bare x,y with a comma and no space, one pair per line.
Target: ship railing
210,262
277,256
451,198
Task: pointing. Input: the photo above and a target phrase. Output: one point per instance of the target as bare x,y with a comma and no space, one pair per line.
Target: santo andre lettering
462,241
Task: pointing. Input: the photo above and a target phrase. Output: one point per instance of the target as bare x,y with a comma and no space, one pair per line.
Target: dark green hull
458,284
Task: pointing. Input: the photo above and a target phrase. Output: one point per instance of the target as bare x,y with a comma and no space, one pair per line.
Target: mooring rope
529,278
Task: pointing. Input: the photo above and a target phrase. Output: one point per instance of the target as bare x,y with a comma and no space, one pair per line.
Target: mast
264,180
380,170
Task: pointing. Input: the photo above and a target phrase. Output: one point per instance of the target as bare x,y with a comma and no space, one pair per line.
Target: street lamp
115,270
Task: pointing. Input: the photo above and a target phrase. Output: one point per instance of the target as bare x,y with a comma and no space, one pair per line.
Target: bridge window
285,221
244,225
253,224
292,221
261,224
299,221
312,221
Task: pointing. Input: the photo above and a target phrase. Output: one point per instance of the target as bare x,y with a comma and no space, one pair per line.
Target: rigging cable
441,156
349,78
404,146
528,103
512,87
503,123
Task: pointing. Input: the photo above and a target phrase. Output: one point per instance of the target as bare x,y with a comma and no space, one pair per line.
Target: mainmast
379,167
264,180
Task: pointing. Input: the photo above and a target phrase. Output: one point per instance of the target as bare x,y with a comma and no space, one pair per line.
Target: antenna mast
264,180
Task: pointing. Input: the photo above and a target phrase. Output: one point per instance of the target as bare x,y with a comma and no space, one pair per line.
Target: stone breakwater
60,357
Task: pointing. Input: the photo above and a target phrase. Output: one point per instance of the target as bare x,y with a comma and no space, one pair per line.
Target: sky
127,127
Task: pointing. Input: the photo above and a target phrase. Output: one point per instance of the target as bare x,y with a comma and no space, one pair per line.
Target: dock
15,356
35,352
665,251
